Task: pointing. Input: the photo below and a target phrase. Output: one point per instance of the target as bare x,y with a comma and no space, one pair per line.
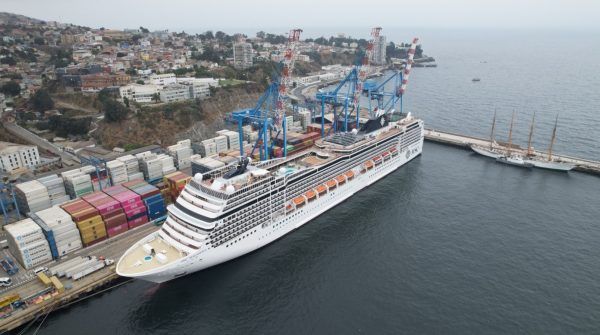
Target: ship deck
138,261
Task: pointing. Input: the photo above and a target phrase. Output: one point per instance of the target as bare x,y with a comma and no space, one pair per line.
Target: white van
5,281
40,269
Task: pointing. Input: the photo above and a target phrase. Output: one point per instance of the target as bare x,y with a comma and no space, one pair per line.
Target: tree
41,101
114,111
144,30
126,102
8,60
11,88
261,34
131,71
39,40
156,97
139,82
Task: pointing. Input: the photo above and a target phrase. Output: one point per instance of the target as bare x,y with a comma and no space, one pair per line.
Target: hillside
164,124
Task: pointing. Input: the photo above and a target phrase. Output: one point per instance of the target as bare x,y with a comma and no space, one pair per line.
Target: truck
9,266
87,270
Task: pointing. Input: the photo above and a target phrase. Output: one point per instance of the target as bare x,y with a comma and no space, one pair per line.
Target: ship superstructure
235,210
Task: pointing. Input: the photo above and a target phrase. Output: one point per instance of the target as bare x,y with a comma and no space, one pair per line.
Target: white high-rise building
14,156
379,45
242,55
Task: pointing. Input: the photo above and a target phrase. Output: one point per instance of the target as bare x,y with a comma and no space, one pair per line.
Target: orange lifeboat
394,152
340,179
331,184
321,189
369,165
299,201
349,175
311,195
386,156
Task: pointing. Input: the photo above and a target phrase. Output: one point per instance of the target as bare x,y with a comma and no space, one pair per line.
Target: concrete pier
464,141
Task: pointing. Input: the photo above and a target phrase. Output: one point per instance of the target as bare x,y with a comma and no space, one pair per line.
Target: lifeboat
394,152
321,189
331,184
377,160
299,201
386,156
349,175
311,195
340,179
369,165
289,208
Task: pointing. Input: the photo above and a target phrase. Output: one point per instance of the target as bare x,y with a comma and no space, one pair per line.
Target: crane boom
285,81
409,63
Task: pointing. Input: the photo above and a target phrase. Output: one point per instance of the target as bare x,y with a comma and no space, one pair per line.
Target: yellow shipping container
90,221
95,227
90,238
57,284
98,232
44,279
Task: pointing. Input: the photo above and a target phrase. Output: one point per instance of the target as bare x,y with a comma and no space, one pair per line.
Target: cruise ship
232,211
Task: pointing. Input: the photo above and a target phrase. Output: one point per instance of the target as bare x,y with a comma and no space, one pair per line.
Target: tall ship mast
491,150
549,163
529,147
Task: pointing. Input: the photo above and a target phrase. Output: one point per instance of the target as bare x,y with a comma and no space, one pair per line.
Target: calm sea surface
451,243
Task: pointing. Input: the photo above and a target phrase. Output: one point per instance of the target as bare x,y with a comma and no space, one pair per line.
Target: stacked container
304,118
117,171
32,196
181,152
131,202
60,230
221,143
204,165
151,166
131,164
151,197
27,243
233,139
56,189
99,178
168,165
88,221
175,183
111,212
206,147
77,183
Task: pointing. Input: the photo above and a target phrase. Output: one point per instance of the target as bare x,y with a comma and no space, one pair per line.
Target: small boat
475,79
331,184
386,156
311,195
299,201
349,175
377,160
369,165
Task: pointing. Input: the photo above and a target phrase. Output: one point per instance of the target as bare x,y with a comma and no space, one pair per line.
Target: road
42,143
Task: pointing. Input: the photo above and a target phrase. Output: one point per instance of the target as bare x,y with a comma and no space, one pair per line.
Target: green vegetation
113,110
41,101
64,126
11,88
230,82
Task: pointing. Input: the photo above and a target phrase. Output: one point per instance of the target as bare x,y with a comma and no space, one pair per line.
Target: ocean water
451,243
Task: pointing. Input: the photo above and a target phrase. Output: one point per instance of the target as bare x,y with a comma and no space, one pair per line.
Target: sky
237,15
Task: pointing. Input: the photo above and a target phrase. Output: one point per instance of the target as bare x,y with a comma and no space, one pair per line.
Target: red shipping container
75,206
114,231
134,205
84,214
113,190
137,222
92,197
116,220
112,214
127,197
135,211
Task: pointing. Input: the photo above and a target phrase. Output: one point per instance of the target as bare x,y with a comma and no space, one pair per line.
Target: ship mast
492,133
552,140
529,152
510,134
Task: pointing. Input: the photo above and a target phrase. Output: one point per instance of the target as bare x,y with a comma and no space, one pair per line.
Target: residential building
96,82
14,156
199,87
138,93
379,51
175,92
163,79
242,55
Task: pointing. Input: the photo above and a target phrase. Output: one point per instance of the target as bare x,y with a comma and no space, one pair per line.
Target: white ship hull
556,166
492,153
262,235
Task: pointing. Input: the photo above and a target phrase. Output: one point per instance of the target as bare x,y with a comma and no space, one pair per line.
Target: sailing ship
510,157
546,163
493,151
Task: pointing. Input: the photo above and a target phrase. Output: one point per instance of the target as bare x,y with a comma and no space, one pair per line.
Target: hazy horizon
335,15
